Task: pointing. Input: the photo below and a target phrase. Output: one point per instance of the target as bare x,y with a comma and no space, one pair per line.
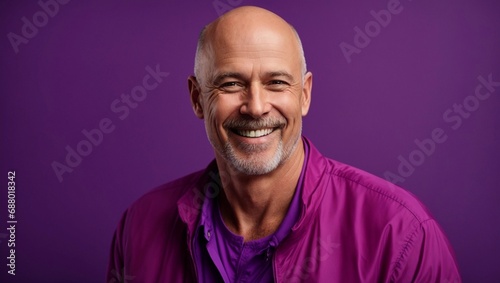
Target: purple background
365,113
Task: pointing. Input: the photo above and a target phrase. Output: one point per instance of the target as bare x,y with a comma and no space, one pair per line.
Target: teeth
255,133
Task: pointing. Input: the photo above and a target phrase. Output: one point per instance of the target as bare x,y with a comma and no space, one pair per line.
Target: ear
306,93
195,95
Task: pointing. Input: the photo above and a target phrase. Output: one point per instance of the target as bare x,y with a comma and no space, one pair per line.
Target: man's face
253,99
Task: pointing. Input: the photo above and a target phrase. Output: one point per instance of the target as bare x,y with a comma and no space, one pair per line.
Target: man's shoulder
357,217
364,192
377,193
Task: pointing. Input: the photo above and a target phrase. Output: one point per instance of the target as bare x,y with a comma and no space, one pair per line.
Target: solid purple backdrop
366,113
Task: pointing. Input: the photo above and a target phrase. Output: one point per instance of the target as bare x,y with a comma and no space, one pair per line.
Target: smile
254,133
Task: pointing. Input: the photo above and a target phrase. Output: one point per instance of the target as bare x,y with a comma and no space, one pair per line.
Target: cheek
220,108
288,104
210,113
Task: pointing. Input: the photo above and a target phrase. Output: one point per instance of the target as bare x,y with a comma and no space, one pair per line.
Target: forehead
246,46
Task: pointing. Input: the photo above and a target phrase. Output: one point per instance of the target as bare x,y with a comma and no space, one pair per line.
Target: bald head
241,29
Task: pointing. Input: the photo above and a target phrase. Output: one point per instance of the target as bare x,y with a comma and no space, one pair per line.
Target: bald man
270,207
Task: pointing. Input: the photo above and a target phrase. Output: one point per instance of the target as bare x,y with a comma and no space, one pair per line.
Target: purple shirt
221,255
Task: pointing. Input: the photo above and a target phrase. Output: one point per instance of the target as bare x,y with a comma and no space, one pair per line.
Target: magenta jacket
354,227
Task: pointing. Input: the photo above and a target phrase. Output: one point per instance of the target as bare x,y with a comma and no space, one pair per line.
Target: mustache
254,124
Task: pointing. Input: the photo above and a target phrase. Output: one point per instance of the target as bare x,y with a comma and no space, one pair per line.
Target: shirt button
208,234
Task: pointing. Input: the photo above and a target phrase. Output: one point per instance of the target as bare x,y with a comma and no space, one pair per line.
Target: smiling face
251,91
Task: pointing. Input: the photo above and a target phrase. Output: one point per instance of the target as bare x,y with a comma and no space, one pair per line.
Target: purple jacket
354,227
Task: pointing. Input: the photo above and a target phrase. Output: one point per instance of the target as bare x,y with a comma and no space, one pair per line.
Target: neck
254,206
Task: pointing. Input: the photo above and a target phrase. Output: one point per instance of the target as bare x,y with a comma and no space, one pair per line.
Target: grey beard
254,166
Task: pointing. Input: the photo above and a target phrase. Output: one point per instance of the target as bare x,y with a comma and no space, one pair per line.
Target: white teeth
255,133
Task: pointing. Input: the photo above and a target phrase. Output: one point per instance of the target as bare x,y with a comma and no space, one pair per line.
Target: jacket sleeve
426,256
114,273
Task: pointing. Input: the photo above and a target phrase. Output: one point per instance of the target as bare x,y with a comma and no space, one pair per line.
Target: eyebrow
280,74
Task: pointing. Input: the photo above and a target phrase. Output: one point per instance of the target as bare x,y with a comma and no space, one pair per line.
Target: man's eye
277,85
231,86
278,82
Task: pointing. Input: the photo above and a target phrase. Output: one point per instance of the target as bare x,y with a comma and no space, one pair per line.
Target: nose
256,102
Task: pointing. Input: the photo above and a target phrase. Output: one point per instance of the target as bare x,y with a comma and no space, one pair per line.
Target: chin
254,163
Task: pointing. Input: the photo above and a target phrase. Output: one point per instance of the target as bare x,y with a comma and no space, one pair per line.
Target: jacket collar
190,204
316,165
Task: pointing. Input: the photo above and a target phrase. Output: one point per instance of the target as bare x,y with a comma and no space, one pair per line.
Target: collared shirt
221,255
